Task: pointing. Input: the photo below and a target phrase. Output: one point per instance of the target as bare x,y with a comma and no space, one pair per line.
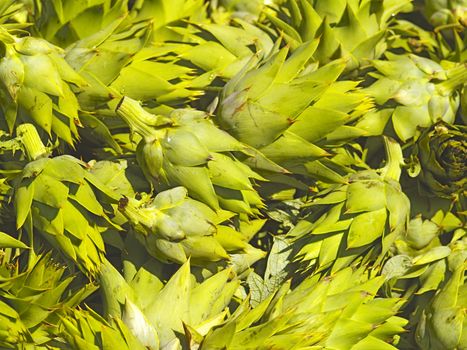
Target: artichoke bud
152,157
442,151
440,108
184,148
11,72
33,46
148,220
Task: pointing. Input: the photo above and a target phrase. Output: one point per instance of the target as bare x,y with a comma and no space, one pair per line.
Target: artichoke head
442,153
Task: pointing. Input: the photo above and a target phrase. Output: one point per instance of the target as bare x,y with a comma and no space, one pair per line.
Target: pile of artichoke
233,174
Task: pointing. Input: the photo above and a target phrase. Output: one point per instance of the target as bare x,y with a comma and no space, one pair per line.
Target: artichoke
352,29
174,227
36,86
442,155
85,329
431,279
285,108
444,12
413,92
65,22
187,149
214,170
337,312
62,207
353,221
442,322
34,292
146,305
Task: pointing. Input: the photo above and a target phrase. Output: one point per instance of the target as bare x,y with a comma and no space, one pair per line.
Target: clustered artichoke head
442,153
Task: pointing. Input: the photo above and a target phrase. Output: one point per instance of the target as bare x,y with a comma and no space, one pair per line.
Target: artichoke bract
233,174
327,309
442,155
34,293
86,329
337,312
128,56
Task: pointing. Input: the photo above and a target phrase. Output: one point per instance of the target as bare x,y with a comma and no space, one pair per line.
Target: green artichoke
351,29
442,322
173,227
187,149
444,12
413,92
440,160
35,291
63,207
37,86
349,221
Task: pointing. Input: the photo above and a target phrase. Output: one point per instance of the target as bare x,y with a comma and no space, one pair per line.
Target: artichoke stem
135,116
32,142
133,214
457,76
395,160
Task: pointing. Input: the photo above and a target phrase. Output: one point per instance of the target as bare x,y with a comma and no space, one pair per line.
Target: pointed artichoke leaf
38,105
7,241
84,195
366,228
23,200
50,191
292,146
207,295
220,338
196,180
171,307
225,172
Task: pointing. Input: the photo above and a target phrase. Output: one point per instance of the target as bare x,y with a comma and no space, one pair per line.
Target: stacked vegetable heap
233,174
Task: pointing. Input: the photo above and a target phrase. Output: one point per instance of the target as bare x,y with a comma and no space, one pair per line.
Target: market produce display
233,174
